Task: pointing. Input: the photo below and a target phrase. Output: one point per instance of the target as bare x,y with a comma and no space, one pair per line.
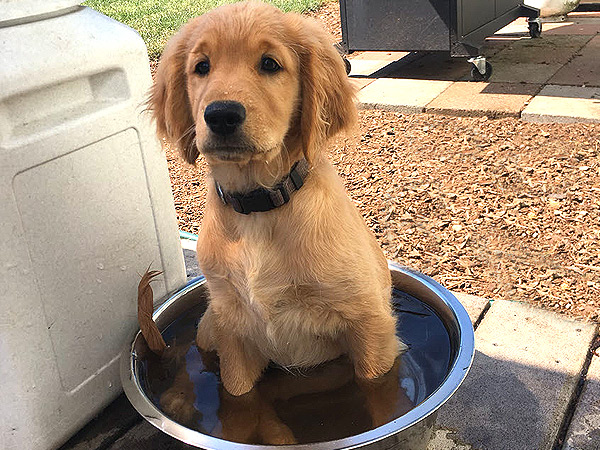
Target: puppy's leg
225,327
385,399
205,335
240,417
178,400
241,362
372,342
271,429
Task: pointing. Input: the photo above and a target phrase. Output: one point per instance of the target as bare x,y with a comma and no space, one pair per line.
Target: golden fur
303,283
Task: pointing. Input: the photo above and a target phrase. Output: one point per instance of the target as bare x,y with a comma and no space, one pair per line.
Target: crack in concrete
572,406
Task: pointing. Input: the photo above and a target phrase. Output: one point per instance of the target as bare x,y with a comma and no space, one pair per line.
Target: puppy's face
246,82
243,87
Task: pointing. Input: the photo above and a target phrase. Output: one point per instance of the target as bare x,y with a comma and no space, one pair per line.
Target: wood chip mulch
497,208
492,207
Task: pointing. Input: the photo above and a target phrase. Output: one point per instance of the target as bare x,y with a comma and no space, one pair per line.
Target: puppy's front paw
373,371
178,405
236,384
276,433
373,366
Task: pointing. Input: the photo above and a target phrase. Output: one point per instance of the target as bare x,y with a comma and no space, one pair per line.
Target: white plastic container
85,207
553,8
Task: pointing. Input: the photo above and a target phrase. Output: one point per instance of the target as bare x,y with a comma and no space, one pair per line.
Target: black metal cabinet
457,26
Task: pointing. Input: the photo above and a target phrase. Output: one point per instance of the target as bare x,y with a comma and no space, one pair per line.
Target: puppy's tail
145,308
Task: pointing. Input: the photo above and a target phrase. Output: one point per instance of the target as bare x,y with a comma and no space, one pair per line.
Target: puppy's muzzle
224,117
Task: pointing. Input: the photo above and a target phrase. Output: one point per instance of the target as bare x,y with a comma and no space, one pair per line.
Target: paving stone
473,304
577,27
547,50
478,99
446,440
520,29
188,244
434,66
511,72
495,44
113,422
366,67
516,27
586,16
404,95
580,12
192,269
564,104
366,63
526,368
147,437
360,83
584,69
584,431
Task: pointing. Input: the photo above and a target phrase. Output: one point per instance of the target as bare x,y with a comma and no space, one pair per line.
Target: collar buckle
220,193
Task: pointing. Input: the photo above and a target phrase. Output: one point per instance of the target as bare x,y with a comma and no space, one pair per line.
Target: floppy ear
327,96
168,99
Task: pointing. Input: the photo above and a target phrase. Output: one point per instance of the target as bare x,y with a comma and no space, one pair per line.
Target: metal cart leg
481,70
343,51
535,27
348,65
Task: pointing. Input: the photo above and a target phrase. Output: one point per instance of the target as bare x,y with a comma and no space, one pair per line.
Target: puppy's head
246,82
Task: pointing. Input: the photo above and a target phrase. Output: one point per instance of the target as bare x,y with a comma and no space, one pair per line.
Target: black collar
265,199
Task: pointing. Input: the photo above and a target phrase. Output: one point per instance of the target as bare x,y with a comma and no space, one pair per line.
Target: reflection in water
302,406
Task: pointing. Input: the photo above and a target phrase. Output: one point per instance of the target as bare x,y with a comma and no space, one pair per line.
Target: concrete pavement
523,385
555,78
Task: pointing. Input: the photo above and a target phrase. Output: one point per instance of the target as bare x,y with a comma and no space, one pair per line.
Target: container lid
17,10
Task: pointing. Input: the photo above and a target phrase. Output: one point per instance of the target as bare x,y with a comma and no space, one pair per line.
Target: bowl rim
456,375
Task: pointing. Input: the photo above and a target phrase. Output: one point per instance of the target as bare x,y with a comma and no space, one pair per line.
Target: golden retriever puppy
294,274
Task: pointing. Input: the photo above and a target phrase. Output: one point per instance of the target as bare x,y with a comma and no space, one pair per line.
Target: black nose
224,118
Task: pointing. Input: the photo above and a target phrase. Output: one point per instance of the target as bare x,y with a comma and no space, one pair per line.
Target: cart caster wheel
535,29
348,66
476,75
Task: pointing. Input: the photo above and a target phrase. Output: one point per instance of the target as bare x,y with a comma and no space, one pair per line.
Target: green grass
157,20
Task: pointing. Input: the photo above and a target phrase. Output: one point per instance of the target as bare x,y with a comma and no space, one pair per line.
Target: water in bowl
316,405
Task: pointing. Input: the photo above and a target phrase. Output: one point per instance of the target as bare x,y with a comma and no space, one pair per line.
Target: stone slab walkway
527,367
534,384
555,78
584,430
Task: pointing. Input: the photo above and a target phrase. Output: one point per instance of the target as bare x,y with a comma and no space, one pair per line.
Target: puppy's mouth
234,150
238,148
231,154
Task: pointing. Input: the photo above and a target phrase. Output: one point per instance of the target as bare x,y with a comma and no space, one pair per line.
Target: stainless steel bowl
410,431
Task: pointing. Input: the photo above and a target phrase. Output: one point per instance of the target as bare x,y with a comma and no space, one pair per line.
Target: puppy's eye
268,64
202,68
